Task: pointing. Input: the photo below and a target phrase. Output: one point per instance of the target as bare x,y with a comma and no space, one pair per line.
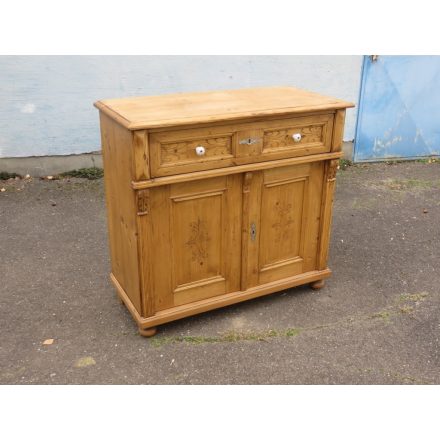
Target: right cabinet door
281,226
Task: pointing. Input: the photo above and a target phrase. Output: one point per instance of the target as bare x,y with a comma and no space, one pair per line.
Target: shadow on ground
376,321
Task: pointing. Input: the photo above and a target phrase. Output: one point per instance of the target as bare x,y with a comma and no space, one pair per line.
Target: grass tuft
85,173
415,297
344,164
4,175
384,314
433,159
231,336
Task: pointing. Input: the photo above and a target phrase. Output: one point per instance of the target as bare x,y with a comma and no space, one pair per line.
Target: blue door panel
399,108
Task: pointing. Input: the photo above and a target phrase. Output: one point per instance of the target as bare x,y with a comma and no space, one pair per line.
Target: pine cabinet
219,197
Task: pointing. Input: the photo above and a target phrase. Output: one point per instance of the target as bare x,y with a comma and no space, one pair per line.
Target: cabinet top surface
204,107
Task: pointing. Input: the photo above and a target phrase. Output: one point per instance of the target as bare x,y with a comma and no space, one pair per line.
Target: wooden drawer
275,139
175,152
315,133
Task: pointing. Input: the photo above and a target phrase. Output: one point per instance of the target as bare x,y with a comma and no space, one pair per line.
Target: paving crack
401,306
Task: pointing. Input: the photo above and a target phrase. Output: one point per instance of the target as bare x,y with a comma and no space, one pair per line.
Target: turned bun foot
316,285
147,332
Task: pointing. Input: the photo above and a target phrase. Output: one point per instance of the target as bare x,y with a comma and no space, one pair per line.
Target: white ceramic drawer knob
200,150
296,137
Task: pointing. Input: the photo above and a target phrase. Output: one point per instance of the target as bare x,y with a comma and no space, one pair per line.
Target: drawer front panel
284,138
186,151
311,136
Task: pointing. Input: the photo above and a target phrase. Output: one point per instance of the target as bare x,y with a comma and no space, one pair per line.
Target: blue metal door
399,108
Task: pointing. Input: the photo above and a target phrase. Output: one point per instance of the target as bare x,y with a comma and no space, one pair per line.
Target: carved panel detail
143,201
332,170
199,239
283,221
281,224
247,182
185,151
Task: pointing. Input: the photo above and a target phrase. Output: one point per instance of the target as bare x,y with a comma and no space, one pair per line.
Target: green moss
4,175
383,314
415,297
344,164
406,309
290,332
231,336
429,160
159,341
198,339
85,173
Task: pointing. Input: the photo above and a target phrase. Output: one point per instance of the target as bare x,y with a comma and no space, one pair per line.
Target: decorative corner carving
247,182
143,201
332,169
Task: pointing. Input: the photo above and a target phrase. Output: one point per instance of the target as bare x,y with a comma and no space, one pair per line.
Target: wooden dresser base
147,326
211,193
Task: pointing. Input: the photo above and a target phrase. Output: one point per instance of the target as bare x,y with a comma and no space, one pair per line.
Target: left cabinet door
195,240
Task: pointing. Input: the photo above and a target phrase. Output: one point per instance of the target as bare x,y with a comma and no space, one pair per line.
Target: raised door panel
282,223
198,239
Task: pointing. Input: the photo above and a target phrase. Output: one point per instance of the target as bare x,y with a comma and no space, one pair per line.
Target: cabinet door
196,240
281,222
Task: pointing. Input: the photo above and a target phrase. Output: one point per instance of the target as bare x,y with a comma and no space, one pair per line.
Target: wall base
38,166
347,150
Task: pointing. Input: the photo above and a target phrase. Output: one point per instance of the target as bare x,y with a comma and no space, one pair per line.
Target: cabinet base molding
147,326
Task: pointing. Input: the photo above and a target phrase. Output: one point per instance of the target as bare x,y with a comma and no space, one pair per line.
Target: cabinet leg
316,285
120,300
148,332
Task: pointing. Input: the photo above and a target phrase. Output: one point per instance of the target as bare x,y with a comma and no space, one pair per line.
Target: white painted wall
46,101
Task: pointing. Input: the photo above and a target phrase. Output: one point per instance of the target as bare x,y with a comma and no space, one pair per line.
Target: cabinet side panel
338,130
121,206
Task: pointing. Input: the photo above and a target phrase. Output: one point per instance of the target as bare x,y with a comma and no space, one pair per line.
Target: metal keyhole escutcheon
253,231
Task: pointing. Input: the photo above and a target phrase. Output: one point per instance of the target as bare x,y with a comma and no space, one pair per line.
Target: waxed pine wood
218,106
121,209
190,233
